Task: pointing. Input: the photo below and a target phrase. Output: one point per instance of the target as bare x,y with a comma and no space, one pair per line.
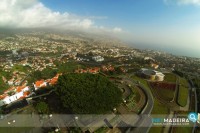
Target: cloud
183,2
34,14
117,29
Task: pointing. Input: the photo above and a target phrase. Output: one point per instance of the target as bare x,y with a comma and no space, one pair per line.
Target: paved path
145,122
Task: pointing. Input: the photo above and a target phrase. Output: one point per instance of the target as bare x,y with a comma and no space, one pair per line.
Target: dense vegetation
38,75
3,85
42,107
88,93
196,82
178,73
50,72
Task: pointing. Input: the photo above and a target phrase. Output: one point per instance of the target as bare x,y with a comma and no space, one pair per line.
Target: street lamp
76,117
50,115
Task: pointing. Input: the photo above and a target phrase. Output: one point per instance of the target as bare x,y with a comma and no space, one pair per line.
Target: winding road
144,124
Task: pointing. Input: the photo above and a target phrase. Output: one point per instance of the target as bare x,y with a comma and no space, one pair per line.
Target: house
155,66
94,70
13,94
107,68
98,58
20,92
40,84
44,83
54,80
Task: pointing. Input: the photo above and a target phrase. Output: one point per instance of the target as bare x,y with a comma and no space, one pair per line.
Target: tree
42,107
87,93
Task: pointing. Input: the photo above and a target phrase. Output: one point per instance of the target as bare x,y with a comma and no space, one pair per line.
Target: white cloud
20,13
183,2
33,13
117,29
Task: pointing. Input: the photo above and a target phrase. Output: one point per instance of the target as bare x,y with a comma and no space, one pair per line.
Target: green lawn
165,94
170,77
155,130
15,129
158,107
183,95
101,130
69,67
137,95
3,86
183,130
184,82
21,68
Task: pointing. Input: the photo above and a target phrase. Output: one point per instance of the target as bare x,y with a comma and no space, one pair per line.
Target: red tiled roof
39,83
26,93
3,96
20,88
54,80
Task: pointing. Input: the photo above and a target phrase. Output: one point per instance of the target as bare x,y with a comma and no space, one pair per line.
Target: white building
40,84
13,94
98,58
152,74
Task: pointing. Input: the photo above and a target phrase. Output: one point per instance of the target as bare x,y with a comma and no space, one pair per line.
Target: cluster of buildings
45,83
16,79
93,70
106,68
20,92
98,58
13,94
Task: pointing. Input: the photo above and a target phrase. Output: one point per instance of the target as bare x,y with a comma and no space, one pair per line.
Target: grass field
183,92
182,130
20,68
3,86
182,95
69,67
101,130
166,94
184,82
170,77
137,95
158,107
163,91
156,130
15,129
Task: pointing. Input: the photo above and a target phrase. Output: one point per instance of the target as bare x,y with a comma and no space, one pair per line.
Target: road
193,90
145,121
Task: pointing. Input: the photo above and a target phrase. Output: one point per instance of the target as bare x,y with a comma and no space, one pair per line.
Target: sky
168,25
